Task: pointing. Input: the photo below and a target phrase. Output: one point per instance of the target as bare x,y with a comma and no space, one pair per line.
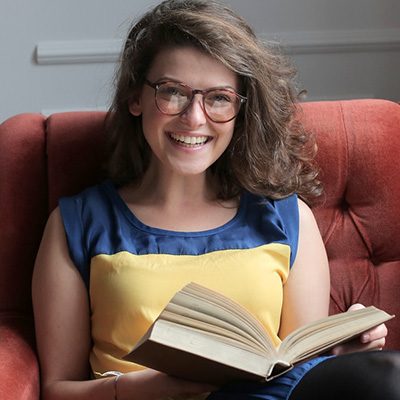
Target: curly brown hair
270,154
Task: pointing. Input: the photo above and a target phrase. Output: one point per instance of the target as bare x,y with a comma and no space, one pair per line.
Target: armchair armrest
19,369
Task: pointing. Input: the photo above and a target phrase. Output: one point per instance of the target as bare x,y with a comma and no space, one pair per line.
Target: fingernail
365,338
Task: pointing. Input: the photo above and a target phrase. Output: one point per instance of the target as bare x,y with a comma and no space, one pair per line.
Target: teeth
189,139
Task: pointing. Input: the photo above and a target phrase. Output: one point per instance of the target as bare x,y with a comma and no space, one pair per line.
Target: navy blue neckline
112,192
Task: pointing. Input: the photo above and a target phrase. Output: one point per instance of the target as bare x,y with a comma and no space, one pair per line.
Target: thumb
356,306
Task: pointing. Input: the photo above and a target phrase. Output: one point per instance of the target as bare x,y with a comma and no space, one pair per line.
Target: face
190,142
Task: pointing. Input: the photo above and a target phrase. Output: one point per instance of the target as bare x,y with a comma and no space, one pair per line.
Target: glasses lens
172,97
221,104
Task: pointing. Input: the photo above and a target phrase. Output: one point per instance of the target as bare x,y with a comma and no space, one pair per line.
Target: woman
206,166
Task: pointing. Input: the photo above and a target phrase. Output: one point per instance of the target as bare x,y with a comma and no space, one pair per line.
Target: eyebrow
170,79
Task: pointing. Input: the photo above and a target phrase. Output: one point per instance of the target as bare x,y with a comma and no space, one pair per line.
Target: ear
135,106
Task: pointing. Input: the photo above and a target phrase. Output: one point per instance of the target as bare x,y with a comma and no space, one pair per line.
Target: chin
190,169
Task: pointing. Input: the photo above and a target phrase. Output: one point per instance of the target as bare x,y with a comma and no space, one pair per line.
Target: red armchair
42,159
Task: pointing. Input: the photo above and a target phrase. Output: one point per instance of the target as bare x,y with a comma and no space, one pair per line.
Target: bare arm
62,322
306,292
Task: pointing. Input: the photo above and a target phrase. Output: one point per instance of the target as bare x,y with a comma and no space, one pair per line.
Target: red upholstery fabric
359,146
23,210
75,145
18,362
42,159
23,206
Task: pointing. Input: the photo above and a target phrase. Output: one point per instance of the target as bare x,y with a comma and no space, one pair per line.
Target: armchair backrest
42,159
359,215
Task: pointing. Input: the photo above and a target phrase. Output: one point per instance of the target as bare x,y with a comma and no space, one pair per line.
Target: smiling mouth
189,141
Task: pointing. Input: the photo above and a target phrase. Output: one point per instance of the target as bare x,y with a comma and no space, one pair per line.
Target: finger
356,306
356,346
378,344
376,333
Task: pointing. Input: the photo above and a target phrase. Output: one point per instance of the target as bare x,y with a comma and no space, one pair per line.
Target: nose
195,115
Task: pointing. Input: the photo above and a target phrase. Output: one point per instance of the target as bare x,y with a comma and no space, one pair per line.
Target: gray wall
58,56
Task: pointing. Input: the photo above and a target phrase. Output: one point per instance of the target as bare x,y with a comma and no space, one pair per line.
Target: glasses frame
156,86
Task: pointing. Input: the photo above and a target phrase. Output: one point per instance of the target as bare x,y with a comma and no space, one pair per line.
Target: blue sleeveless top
131,270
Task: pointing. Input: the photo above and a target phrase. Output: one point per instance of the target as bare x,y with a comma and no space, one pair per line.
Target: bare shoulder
54,221
53,267
305,213
308,226
53,242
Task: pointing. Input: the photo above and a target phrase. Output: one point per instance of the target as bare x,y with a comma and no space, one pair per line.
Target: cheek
153,118
150,113
227,133
153,124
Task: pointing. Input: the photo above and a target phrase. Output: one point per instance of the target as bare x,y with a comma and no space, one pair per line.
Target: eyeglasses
219,104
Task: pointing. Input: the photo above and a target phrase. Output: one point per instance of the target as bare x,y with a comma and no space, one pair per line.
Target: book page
210,325
321,335
199,298
216,333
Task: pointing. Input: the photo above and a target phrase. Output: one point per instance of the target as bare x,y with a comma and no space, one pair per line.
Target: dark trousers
371,375
364,376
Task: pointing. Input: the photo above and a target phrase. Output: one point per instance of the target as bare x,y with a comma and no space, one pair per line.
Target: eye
169,90
220,98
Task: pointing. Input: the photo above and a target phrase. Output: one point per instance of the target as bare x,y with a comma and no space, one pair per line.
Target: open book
202,335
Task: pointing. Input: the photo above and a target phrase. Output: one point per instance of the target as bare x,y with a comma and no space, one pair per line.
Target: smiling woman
170,114
206,165
261,75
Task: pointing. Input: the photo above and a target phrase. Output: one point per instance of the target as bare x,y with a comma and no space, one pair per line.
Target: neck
165,189
176,202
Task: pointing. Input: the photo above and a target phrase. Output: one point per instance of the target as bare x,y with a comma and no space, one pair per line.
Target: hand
152,385
374,339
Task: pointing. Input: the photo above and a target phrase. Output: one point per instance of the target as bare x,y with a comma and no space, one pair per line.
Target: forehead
191,66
